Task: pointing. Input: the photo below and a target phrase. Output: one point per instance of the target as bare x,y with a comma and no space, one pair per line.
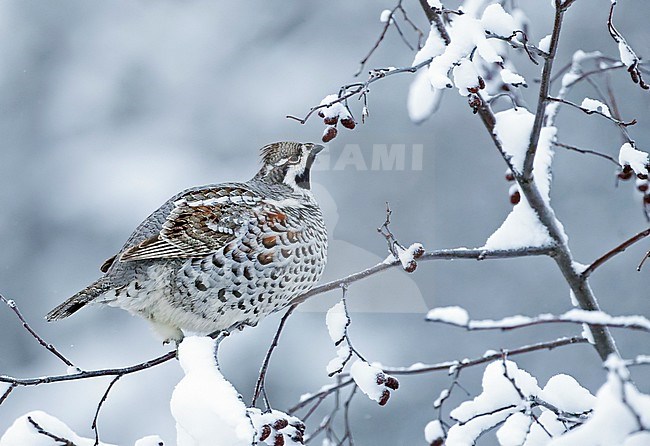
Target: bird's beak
316,149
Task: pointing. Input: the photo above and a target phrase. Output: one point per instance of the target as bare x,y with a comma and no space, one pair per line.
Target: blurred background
109,108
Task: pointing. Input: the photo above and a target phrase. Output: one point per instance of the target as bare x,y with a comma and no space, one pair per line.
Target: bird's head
288,163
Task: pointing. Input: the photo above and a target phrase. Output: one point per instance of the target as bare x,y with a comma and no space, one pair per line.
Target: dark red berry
321,114
381,378
392,383
329,134
481,83
418,252
510,176
384,398
348,123
515,197
331,120
266,431
280,424
642,176
642,187
411,265
279,440
646,199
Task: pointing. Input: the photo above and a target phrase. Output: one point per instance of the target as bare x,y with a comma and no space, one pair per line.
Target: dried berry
321,114
300,426
438,442
410,266
515,197
280,424
329,134
481,83
392,383
298,438
642,186
646,199
626,173
348,123
331,120
278,440
266,431
509,175
642,176
384,398
381,378
418,252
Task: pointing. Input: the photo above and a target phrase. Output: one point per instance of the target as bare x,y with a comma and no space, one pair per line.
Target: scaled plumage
219,255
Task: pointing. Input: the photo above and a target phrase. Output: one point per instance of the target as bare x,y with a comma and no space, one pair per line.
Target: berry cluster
513,192
332,113
276,428
390,383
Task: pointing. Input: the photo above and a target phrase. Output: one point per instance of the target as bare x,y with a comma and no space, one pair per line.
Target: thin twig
260,384
12,305
99,406
617,250
586,151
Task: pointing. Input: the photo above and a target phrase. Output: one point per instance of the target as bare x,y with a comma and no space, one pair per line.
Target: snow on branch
458,317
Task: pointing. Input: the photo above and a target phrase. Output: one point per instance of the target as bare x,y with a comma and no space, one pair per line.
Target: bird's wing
200,223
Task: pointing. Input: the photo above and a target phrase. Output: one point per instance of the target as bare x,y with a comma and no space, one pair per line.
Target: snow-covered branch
458,317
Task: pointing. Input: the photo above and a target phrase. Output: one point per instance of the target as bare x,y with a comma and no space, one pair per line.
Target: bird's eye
294,159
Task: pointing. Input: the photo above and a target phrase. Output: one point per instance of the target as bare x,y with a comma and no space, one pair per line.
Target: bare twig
617,250
633,68
12,305
99,406
586,151
261,379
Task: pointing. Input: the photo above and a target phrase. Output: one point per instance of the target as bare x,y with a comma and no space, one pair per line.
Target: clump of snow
545,43
594,105
508,77
620,411
150,440
515,430
522,227
625,54
373,381
276,427
433,432
565,393
476,416
207,408
337,321
453,315
636,159
435,4
466,34
465,76
498,21
23,433
512,128
385,16
422,100
332,108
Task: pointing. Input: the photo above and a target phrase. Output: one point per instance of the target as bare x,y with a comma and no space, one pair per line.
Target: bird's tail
78,301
